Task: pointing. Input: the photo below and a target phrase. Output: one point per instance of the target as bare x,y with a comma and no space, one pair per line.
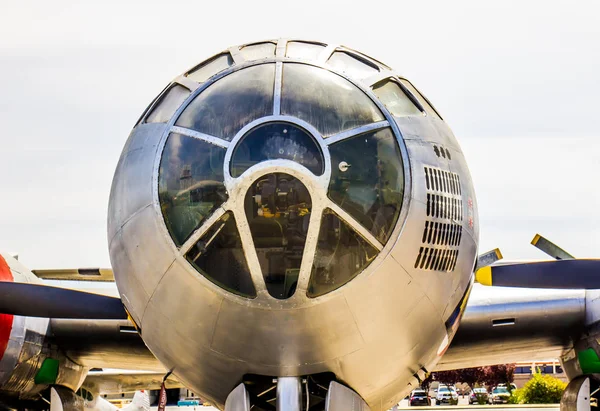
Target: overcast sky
517,81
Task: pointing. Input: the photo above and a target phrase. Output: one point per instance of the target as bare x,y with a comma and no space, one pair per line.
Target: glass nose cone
277,140
278,208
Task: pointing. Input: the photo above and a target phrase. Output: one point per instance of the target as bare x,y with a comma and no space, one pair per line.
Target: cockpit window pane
168,104
327,101
303,50
190,184
430,110
232,102
258,51
341,255
219,256
278,208
277,140
350,65
367,180
210,68
394,98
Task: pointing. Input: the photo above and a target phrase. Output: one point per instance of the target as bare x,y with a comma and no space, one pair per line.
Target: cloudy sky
516,80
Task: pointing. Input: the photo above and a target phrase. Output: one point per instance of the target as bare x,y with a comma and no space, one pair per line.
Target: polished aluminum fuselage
378,334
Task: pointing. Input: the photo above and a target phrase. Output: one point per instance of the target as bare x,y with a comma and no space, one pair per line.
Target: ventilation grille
444,207
441,239
436,259
442,181
442,234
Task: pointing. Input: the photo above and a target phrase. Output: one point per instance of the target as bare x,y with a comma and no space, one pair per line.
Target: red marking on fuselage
6,320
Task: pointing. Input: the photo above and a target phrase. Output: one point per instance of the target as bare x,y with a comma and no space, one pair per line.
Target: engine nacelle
28,364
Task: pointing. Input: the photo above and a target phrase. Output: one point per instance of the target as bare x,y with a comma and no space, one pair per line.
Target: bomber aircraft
292,226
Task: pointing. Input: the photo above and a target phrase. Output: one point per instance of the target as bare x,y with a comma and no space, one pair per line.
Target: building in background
524,370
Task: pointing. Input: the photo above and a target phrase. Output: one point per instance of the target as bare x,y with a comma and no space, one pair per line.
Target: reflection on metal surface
277,140
168,103
190,184
278,209
371,189
219,256
327,101
231,102
341,255
206,70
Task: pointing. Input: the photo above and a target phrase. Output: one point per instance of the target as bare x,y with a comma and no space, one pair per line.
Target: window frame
405,90
400,79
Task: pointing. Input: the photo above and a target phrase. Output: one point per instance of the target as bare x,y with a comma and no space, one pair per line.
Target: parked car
478,395
446,394
500,395
419,397
513,386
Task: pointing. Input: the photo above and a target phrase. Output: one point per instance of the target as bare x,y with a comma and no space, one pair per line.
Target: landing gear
289,394
341,398
63,399
310,393
238,399
577,395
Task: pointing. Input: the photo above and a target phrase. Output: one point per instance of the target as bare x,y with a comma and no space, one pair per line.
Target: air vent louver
441,239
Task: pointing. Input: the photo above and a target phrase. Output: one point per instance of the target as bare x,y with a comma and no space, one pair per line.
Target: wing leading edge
103,344
503,325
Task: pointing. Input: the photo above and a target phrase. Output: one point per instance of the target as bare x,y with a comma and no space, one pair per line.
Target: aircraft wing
122,382
103,344
502,325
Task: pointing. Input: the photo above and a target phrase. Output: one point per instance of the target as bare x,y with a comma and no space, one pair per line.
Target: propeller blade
561,274
36,300
55,401
489,258
550,248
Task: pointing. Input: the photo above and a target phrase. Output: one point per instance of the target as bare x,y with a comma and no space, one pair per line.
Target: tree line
490,376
